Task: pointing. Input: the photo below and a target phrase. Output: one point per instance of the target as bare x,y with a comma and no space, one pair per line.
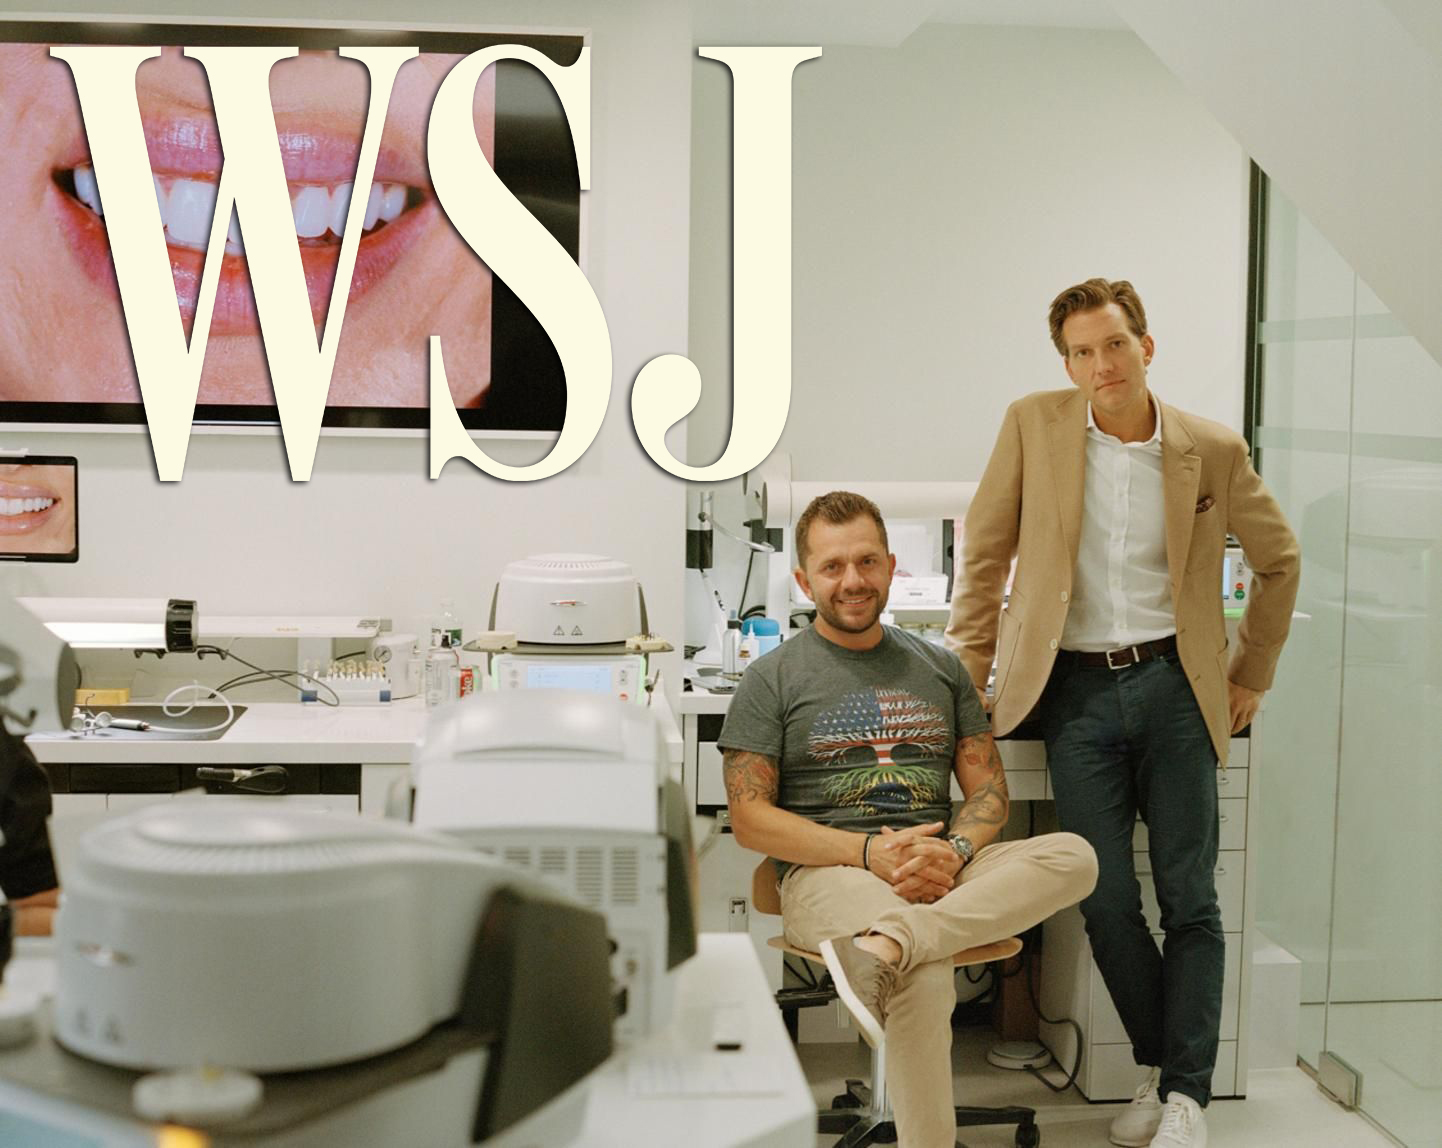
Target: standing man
839,750
1116,508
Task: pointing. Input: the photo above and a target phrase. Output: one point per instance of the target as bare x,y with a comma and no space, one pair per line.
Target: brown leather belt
1126,656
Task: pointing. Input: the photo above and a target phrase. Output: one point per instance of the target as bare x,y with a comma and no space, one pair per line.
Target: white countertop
777,1110
703,702
277,731
286,732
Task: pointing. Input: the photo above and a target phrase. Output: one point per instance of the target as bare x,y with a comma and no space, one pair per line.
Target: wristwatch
963,846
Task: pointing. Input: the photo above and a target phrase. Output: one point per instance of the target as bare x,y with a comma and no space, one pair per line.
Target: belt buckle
1132,650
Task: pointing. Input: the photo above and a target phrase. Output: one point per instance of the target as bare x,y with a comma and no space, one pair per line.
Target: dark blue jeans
1119,743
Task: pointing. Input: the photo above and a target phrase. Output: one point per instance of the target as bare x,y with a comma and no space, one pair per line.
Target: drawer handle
1224,781
1222,817
1221,870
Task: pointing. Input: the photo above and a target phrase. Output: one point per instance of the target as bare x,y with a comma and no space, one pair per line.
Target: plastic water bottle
441,686
731,648
449,626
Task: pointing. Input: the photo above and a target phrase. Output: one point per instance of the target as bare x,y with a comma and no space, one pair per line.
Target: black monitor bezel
47,460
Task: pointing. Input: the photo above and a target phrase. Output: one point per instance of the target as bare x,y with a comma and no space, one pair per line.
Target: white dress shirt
1121,588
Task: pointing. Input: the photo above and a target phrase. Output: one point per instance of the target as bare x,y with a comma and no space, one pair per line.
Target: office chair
862,1114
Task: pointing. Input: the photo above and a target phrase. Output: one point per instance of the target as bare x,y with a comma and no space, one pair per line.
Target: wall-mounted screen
65,355
39,509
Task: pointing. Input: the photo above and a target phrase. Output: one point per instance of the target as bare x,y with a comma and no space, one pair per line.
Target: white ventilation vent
590,876
625,877
518,855
569,563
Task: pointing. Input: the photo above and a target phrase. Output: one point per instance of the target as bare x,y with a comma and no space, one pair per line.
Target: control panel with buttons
621,674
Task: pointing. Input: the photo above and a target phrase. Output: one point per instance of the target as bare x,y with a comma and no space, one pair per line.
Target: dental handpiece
128,723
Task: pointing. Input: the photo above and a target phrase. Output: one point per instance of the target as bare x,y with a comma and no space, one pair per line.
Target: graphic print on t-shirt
886,743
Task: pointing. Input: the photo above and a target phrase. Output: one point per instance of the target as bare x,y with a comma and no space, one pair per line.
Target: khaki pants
1007,888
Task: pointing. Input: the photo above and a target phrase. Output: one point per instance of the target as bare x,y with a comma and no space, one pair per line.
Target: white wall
370,533
1341,104
945,191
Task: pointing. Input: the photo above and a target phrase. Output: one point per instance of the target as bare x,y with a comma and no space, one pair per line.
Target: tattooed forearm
983,780
749,776
988,805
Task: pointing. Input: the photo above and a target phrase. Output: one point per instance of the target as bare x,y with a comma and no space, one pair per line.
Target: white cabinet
1072,986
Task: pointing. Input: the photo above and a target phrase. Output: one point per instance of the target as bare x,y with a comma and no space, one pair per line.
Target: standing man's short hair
1089,296
836,507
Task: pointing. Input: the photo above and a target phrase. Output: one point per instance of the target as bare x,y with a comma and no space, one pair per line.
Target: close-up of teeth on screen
410,274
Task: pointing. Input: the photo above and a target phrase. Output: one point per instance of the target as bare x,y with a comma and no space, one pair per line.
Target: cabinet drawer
1021,784
1112,1074
1230,872
1231,830
710,781
1107,1025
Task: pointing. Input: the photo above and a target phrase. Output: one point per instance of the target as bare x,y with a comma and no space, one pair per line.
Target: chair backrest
765,890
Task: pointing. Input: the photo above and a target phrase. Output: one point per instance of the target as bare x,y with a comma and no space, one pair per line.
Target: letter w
253,178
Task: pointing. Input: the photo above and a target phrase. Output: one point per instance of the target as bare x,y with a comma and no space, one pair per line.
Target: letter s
525,255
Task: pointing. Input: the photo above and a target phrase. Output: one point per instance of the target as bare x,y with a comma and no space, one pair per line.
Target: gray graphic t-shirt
865,738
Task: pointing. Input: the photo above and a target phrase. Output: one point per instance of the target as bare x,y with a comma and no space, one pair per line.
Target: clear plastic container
442,676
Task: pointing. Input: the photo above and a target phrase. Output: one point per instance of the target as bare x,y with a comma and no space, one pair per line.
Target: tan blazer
1029,504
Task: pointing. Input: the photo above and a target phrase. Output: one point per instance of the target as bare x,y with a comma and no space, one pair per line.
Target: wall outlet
737,917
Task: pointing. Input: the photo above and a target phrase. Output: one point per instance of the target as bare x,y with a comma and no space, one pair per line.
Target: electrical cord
1080,1038
258,674
196,687
255,679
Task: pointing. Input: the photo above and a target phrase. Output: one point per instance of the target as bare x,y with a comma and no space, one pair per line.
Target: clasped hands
920,865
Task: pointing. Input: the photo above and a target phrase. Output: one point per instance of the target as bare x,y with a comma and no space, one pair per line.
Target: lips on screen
39,508
65,355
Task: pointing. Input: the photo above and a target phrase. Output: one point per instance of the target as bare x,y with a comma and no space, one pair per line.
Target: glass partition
1349,436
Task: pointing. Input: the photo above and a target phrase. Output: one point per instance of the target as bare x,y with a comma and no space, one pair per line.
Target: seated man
838,750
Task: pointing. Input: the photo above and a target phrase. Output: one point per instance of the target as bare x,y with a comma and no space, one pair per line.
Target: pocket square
1205,504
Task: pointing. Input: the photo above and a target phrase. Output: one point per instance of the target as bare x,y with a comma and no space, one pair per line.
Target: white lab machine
569,621
400,659
38,671
574,786
325,980
1236,578
569,600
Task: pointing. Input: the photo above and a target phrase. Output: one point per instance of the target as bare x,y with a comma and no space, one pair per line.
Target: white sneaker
1138,1122
1183,1125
